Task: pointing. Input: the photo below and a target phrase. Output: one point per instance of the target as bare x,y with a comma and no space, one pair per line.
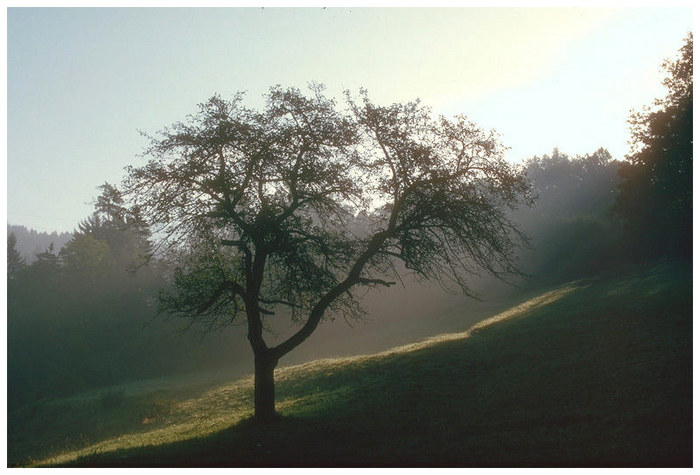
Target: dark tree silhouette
656,193
258,209
112,236
15,262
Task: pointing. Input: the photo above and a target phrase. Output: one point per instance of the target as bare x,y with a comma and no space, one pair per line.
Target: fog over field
198,195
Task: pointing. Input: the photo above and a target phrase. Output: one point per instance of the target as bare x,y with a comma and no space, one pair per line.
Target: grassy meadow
592,373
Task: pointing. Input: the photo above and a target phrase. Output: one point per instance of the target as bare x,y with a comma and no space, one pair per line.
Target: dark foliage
257,209
15,262
83,318
656,192
571,231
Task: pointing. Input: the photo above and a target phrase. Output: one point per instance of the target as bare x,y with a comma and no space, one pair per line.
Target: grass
594,373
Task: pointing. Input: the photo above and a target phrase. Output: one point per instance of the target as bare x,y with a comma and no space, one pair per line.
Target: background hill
593,373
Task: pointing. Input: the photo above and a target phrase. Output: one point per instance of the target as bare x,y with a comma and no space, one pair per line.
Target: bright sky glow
81,82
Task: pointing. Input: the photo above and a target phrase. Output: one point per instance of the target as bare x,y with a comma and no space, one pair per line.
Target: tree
258,210
47,261
573,185
87,256
655,195
76,319
571,232
111,237
15,262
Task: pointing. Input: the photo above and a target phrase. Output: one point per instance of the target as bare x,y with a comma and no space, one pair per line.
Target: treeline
86,316
595,213
573,233
30,242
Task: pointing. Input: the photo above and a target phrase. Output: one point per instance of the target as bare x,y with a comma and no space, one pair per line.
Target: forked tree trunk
264,388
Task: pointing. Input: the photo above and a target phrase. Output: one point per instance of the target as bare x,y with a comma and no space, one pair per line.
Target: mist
96,326
97,323
171,291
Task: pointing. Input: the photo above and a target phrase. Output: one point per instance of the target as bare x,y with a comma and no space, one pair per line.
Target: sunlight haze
349,237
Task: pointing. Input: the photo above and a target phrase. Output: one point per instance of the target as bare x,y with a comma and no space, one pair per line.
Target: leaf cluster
299,205
655,198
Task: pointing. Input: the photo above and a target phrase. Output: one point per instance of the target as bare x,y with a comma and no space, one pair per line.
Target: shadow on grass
599,378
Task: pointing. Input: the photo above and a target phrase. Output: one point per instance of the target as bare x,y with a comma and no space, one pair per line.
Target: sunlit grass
213,410
231,403
330,364
592,373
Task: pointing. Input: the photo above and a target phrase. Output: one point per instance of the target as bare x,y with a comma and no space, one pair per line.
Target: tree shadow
284,442
607,387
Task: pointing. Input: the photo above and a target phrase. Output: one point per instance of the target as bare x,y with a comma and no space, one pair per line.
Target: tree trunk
264,388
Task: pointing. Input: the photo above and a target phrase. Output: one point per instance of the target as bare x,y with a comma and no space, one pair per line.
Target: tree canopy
293,208
15,262
655,196
571,230
111,237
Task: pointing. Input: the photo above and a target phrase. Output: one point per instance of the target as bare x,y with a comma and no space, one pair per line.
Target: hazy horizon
83,81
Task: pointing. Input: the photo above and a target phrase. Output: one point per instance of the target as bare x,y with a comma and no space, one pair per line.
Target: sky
82,82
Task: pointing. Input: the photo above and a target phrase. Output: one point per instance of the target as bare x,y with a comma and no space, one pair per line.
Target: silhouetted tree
111,236
47,262
257,207
655,196
15,262
87,256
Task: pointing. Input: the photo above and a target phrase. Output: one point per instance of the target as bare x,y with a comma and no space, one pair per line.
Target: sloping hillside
594,373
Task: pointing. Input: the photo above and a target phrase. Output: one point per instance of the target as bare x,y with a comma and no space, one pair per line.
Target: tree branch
385,283
227,285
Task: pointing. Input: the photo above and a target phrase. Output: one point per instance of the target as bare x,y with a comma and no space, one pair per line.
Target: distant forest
31,242
83,313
